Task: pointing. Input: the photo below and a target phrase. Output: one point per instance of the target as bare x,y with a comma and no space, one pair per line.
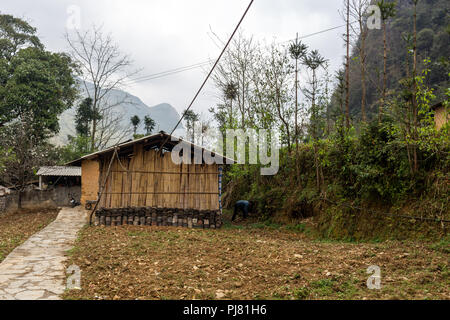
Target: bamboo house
139,179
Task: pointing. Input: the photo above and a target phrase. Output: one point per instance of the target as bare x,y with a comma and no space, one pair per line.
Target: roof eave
129,143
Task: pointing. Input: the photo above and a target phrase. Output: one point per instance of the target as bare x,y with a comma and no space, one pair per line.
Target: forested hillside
381,176
433,42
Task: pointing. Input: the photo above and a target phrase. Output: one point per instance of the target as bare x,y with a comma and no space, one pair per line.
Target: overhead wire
207,62
209,74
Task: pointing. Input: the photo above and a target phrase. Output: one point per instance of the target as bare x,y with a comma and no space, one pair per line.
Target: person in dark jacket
241,205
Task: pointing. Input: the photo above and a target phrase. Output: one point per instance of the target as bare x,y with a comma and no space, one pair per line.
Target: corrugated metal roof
60,171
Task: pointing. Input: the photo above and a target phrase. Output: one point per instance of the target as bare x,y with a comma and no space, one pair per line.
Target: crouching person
244,206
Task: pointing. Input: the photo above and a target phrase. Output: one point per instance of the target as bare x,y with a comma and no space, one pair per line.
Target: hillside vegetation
433,42
386,176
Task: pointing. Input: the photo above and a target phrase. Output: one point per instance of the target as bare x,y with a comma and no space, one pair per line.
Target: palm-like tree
314,61
135,121
149,124
230,92
298,51
191,118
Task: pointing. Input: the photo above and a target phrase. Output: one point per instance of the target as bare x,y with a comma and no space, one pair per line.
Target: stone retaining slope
35,270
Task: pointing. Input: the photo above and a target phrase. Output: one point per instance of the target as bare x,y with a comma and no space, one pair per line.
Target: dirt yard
15,228
254,261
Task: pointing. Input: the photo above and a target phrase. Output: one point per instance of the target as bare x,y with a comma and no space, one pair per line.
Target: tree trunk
94,121
19,199
314,133
286,124
297,170
363,70
347,71
383,97
231,114
414,100
296,103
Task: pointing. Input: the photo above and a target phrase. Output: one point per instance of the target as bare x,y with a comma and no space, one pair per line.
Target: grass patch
16,228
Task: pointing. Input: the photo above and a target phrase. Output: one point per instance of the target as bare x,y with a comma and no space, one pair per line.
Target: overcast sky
161,35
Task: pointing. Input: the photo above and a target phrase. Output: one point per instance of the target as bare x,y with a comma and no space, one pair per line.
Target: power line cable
205,63
168,72
209,74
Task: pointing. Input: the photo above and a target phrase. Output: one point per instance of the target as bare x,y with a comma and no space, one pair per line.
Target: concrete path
35,270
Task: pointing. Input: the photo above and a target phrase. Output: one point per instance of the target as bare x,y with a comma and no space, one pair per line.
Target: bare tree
102,64
358,10
110,130
387,11
346,17
278,77
236,68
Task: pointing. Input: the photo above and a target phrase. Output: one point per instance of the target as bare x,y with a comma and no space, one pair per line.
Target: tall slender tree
347,65
314,61
387,11
298,51
358,10
414,83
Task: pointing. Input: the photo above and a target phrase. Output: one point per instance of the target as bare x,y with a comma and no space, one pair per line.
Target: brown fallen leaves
17,227
131,262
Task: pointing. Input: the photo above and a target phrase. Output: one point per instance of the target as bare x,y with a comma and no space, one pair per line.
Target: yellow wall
440,117
90,172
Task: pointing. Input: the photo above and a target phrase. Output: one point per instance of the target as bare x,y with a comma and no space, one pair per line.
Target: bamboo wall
149,180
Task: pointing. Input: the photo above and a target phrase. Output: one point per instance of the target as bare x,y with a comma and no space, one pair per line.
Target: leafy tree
149,125
77,147
425,39
16,34
33,82
84,117
36,86
190,118
230,92
135,121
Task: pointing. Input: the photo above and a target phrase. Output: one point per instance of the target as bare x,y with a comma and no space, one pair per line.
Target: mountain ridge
125,106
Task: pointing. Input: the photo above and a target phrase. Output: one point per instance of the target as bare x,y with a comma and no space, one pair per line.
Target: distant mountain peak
164,114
